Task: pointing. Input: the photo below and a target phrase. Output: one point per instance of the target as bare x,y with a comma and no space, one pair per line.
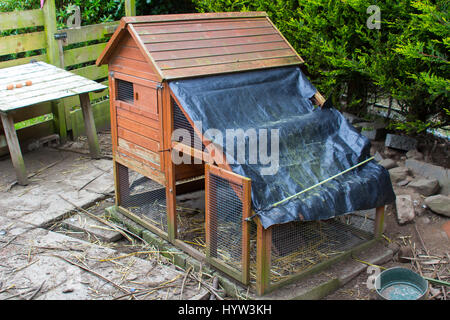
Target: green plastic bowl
401,284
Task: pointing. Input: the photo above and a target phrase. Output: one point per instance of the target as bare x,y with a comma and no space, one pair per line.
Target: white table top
48,83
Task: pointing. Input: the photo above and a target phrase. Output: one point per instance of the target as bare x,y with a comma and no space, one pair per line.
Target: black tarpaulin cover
314,144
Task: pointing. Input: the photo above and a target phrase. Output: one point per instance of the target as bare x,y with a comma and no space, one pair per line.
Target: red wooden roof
190,45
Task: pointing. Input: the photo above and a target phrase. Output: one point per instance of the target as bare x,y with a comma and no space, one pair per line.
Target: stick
92,272
87,183
97,218
36,292
184,282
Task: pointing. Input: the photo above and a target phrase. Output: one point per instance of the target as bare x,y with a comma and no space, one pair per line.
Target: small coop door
228,204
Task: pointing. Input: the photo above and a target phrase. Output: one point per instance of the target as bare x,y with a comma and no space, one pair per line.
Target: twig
92,272
93,179
97,218
184,282
36,292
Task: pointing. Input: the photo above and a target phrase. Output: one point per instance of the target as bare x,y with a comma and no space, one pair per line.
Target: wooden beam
14,148
263,252
89,125
379,222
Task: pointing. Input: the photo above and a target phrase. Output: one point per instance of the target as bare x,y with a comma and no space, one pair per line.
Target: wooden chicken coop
167,72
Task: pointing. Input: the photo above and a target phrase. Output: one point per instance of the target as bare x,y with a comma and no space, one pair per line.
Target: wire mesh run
298,246
142,197
225,209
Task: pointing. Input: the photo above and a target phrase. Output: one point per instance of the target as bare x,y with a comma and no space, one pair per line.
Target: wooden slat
21,19
138,128
196,27
22,42
140,167
152,157
83,54
29,113
218,51
211,43
20,61
206,61
194,16
128,69
71,102
190,36
230,67
140,119
89,33
135,138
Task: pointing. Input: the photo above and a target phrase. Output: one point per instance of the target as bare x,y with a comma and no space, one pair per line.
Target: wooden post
210,217
263,252
130,8
89,125
54,58
169,167
14,148
246,213
379,222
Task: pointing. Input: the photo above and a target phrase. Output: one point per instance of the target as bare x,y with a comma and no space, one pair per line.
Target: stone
351,118
403,183
403,253
439,204
414,154
428,170
91,226
405,209
400,142
388,163
372,130
426,187
398,174
378,157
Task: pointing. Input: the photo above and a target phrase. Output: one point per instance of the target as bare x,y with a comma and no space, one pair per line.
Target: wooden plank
188,171
83,54
212,43
246,213
190,36
138,73
140,167
218,51
72,102
14,148
21,19
138,128
20,61
89,33
230,67
22,42
153,158
192,152
53,46
135,138
379,222
132,65
201,26
130,8
149,122
235,58
194,16
89,125
29,113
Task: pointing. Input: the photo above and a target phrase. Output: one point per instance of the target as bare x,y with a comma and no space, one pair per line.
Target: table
47,83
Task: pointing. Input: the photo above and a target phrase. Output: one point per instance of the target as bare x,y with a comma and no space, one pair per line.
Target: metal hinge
60,36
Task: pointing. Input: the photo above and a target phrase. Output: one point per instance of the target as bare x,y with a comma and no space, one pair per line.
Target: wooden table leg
14,148
379,222
89,125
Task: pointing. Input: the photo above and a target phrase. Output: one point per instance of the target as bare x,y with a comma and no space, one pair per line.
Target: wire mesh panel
181,122
227,232
298,246
143,197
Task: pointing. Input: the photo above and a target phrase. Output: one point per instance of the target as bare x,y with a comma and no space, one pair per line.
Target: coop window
125,91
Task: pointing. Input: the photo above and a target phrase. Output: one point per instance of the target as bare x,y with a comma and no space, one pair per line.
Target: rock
426,187
446,228
405,209
403,183
351,118
400,142
388,163
372,130
431,171
378,157
414,154
439,204
424,220
398,174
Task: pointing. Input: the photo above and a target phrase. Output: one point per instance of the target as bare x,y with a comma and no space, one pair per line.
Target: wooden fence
75,50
